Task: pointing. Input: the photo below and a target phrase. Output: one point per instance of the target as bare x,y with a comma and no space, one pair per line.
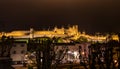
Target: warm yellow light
16,33
83,53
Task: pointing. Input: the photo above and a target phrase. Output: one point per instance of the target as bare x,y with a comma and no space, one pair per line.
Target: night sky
91,16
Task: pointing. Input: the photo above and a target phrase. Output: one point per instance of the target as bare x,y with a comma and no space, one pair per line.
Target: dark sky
91,16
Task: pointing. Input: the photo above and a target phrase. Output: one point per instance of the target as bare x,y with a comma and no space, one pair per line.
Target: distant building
18,52
76,53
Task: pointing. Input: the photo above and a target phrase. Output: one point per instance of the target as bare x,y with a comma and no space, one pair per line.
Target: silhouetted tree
43,49
6,43
119,52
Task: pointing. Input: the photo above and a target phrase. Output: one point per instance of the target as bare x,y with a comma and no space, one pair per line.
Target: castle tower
31,33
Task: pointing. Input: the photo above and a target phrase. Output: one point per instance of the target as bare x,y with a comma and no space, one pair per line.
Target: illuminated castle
71,32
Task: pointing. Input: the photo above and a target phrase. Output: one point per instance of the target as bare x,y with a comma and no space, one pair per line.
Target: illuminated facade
73,53
18,52
71,32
